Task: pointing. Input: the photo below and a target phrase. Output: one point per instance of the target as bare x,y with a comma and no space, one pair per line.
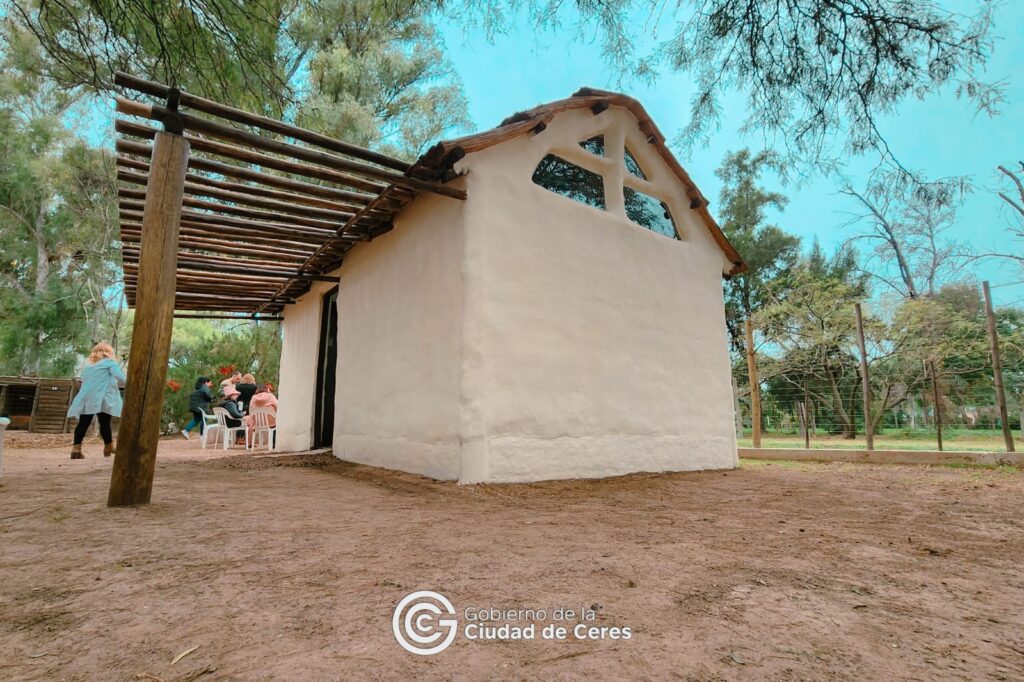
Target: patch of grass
968,440
746,463
997,469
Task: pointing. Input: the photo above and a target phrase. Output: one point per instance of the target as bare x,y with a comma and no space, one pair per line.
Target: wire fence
937,380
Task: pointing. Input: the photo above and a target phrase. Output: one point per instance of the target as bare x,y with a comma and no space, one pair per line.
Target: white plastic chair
228,432
209,424
261,426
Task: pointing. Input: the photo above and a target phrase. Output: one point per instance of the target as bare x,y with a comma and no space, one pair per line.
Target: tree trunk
845,421
33,364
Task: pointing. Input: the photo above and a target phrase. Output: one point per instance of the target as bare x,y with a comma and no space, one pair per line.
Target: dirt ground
289,568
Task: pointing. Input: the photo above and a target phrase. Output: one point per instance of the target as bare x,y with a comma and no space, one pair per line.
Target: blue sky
941,135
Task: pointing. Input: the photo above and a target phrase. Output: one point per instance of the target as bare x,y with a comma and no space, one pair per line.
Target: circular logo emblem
419,623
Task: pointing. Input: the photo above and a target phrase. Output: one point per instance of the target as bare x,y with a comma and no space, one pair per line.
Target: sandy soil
290,567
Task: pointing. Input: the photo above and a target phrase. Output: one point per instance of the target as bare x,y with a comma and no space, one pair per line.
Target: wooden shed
37,404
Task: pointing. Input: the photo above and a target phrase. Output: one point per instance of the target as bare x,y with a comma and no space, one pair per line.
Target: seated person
231,380
247,387
229,401
263,398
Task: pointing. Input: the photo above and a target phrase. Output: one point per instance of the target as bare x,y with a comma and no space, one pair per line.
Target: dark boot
108,449
76,452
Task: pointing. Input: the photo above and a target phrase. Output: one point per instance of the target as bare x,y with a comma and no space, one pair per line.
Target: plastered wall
521,336
299,353
592,346
400,344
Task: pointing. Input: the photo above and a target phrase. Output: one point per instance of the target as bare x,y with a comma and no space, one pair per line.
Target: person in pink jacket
263,398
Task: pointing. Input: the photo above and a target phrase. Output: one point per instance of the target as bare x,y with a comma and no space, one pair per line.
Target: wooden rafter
267,207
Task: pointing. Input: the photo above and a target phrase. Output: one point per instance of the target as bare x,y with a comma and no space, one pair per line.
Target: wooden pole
865,378
132,479
807,418
936,397
755,391
997,368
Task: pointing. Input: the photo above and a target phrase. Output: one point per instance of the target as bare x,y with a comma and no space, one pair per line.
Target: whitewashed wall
400,344
521,336
299,353
592,346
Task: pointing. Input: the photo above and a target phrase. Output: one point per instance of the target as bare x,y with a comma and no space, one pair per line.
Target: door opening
326,372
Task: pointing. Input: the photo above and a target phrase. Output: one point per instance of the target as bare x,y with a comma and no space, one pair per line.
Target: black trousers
85,421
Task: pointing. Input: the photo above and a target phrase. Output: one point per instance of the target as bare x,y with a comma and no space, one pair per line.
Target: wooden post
755,391
997,368
736,408
807,418
865,378
132,479
936,396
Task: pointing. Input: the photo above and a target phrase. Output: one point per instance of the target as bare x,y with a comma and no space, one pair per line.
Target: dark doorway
326,371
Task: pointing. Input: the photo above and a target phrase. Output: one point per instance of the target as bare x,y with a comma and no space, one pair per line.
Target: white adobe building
565,321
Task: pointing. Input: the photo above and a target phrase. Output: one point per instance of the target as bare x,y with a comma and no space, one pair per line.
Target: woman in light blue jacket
97,396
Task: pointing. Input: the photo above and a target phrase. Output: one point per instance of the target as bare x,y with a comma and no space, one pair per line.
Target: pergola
229,212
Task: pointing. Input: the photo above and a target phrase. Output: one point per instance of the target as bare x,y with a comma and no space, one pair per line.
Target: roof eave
442,157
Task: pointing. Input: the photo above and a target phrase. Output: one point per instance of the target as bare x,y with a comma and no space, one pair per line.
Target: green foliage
57,222
814,76
367,71
207,47
810,326
378,75
770,252
204,348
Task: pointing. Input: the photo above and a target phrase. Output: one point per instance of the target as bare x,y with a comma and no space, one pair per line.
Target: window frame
618,135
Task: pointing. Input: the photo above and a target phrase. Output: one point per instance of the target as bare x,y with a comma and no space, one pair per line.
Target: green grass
780,463
800,465
970,440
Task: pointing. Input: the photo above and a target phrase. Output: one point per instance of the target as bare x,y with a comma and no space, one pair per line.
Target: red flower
173,385
227,370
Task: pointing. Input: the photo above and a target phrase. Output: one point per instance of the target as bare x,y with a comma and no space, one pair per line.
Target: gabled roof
442,157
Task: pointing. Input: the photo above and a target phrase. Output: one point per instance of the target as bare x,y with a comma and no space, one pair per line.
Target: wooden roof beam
240,318
229,134
258,191
133,228
240,173
255,225
272,205
246,118
139,195
226,248
201,144
348,226
192,261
